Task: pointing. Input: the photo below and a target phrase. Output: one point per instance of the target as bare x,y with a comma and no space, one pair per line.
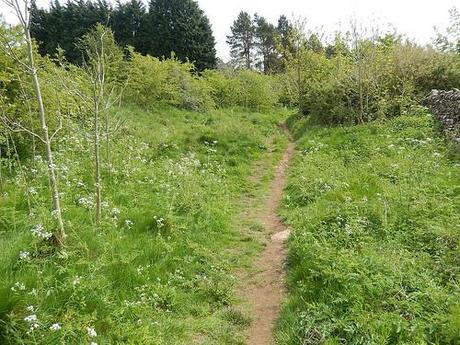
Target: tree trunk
97,159
60,235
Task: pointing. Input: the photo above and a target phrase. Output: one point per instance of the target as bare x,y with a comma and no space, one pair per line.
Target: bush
243,88
168,81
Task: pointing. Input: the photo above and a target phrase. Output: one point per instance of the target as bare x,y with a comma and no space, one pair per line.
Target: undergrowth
374,254
157,270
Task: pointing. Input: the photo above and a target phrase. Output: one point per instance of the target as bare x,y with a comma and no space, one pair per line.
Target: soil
264,289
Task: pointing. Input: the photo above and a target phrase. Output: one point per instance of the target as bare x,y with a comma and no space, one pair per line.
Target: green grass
374,257
159,269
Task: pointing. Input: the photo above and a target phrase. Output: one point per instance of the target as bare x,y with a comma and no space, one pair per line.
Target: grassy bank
158,270
374,255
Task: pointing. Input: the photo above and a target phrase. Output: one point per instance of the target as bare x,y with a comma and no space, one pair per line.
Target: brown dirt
264,289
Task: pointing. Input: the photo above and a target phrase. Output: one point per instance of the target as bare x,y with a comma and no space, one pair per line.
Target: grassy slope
374,257
166,279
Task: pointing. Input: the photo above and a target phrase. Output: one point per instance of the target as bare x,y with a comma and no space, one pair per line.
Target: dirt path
264,289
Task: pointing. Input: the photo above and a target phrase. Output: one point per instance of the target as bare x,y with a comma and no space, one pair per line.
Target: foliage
242,40
373,256
244,88
154,82
158,269
178,26
360,79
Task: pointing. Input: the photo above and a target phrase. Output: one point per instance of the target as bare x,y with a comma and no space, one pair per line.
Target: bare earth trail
264,289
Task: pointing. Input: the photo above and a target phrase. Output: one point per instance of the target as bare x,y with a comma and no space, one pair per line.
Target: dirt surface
264,289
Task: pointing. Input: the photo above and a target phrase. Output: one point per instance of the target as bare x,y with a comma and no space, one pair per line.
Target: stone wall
445,105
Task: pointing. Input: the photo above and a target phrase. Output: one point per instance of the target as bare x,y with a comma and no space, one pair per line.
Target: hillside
373,257
160,268
305,192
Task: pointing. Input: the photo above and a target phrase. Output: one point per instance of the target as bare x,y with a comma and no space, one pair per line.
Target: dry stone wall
445,105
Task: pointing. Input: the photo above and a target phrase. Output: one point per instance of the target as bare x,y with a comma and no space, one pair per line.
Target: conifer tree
266,36
180,26
242,41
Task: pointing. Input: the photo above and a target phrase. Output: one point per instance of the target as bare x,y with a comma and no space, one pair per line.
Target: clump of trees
166,26
256,43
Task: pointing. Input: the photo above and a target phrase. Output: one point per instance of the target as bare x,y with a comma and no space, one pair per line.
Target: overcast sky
415,18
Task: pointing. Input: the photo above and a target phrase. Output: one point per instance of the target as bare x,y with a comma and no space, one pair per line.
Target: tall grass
158,269
374,256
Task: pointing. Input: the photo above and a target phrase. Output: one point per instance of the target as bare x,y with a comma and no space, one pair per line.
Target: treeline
165,26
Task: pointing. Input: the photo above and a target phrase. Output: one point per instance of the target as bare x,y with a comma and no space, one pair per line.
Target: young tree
22,11
242,40
102,60
180,26
450,40
266,36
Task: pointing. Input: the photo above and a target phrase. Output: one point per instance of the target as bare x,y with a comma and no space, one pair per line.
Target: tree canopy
178,26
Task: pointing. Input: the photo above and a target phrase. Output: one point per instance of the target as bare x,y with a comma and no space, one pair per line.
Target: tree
284,33
62,25
22,11
180,26
242,40
294,52
128,25
266,36
102,60
450,40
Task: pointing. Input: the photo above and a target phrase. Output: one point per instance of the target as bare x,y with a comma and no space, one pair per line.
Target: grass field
159,269
374,256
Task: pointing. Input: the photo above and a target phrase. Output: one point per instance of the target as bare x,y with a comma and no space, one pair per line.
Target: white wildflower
39,231
128,224
30,308
85,202
24,255
160,221
115,212
55,327
91,332
32,191
18,287
76,280
31,318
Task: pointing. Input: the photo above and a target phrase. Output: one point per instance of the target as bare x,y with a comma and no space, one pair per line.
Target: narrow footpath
264,289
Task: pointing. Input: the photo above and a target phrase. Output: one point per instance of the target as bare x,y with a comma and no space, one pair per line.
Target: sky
414,18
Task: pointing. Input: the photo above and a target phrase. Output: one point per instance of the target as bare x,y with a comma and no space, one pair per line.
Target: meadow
139,193
160,267
373,257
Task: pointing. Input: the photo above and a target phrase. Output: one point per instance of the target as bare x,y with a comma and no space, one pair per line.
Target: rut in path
264,289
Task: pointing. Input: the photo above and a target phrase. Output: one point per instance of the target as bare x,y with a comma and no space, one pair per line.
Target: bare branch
16,127
57,129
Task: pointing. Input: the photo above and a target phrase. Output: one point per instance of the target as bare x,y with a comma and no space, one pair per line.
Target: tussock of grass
157,270
374,256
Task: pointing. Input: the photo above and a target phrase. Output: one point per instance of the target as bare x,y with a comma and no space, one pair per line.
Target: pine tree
266,36
284,30
180,26
242,40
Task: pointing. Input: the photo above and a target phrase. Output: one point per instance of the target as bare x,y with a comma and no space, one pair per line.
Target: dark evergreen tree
180,26
242,40
61,26
129,25
266,36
